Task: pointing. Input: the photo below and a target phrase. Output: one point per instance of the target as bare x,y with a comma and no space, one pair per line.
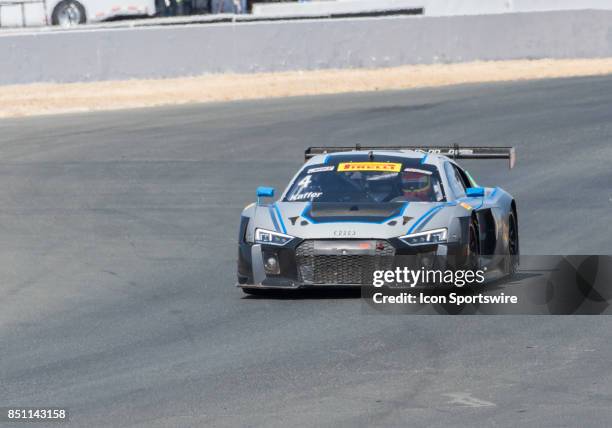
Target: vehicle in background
67,13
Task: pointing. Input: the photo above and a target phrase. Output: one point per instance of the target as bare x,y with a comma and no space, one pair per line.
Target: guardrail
22,5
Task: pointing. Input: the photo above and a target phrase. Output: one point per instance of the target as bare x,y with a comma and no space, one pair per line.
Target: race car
352,210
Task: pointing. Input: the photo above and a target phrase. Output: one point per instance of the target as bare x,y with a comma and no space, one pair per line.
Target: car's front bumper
301,265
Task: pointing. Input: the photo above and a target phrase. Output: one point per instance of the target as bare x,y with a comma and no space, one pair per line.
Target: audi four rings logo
345,233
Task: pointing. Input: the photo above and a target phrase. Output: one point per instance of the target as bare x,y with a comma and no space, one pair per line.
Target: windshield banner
369,166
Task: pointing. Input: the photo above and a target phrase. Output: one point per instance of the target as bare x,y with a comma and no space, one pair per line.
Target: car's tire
68,13
513,246
472,260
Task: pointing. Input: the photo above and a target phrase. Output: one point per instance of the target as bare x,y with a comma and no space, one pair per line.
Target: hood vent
337,212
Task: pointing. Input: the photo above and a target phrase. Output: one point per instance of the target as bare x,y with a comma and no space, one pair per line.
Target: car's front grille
341,269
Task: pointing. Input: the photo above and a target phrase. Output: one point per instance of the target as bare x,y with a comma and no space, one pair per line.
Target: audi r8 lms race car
351,211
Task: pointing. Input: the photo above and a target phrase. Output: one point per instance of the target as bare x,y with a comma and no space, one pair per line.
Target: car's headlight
434,236
263,236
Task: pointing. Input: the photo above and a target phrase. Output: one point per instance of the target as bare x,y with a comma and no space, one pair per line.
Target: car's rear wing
454,152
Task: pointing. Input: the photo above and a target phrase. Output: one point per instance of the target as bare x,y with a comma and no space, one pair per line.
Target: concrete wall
158,52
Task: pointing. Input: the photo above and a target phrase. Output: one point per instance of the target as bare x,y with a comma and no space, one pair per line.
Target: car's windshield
395,180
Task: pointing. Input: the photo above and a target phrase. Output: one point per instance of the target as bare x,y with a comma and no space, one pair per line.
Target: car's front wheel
473,247
68,13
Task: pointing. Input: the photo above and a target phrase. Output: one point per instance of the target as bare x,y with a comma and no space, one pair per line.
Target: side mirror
475,192
264,192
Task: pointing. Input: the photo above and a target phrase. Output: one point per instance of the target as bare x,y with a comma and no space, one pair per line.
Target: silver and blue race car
351,211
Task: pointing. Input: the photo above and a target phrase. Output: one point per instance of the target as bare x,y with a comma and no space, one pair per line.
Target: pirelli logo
369,166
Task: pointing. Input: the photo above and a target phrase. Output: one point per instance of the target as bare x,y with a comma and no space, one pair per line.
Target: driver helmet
416,185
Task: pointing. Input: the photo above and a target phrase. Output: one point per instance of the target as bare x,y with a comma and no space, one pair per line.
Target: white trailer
27,13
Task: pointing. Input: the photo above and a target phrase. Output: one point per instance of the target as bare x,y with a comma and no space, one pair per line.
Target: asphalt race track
117,268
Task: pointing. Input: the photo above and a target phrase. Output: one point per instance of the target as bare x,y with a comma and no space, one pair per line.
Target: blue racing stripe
428,219
488,198
280,218
305,210
271,210
430,213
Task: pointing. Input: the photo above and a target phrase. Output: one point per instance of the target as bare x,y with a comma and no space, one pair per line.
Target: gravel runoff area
51,98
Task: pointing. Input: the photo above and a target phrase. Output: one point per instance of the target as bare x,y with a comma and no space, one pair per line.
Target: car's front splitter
253,272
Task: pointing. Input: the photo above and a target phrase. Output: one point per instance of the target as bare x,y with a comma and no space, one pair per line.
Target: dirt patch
49,98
